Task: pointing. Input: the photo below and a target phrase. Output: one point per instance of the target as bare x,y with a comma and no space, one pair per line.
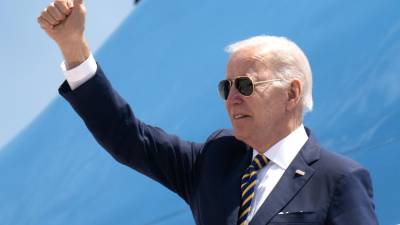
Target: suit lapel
289,185
232,191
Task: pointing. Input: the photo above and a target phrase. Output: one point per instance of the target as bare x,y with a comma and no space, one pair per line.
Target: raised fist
64,21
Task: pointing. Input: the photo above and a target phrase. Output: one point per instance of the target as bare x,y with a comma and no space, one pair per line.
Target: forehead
246,62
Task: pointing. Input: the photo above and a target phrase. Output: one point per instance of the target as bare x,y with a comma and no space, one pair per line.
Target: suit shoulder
221,133
337,164
350,187
223,141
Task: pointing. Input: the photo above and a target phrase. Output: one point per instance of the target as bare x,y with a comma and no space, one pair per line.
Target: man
269,171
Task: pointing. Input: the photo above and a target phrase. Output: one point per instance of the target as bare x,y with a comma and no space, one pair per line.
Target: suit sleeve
149,150
353,200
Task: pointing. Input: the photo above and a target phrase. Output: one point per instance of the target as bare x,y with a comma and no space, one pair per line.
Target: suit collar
311,149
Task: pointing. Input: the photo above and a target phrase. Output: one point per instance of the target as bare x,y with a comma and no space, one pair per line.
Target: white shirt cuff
80,74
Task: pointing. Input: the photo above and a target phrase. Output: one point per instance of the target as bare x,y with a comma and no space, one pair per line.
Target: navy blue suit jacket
333,191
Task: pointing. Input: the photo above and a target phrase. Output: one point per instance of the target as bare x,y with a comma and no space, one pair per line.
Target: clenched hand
64,22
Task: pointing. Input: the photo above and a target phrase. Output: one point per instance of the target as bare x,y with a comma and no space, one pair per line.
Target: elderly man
270,170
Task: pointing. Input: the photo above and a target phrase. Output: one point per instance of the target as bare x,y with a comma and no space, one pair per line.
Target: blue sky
30,61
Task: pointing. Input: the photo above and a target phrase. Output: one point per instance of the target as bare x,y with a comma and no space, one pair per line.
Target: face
256,119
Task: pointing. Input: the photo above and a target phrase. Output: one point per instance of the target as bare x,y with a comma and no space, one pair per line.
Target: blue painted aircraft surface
166,60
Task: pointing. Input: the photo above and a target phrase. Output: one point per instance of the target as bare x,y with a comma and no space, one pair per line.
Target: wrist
75,53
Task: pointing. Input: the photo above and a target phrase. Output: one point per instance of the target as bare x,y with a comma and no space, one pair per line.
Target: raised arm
149,150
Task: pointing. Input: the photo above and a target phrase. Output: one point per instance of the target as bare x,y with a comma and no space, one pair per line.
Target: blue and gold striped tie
249,179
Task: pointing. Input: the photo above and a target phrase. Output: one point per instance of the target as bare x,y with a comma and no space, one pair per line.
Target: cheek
269,112
277,101
228,108
265,116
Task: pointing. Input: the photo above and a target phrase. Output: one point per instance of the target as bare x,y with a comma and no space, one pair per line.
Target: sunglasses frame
232,82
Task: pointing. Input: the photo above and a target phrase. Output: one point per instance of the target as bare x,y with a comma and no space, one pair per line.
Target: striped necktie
249,180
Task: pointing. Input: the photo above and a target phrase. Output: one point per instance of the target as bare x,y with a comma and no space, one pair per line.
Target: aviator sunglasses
244,85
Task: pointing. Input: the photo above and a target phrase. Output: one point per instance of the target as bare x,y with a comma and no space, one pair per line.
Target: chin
240,134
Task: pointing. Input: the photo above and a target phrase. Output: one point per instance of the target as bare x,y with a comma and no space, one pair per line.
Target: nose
234,97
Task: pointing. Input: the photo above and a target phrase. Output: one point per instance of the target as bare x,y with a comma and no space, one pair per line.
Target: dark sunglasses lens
223,88
244,85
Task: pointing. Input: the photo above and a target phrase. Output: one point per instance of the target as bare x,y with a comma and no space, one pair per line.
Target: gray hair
285,60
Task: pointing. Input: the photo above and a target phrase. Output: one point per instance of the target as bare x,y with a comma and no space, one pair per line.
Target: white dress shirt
280,155
80,74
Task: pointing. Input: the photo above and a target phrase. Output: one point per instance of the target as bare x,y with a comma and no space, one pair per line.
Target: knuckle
52,14
50,20
51,8
44,14
58,4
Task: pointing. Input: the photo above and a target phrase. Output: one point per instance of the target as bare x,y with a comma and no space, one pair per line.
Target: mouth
240,116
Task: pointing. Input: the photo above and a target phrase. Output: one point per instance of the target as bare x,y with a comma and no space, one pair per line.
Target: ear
294,95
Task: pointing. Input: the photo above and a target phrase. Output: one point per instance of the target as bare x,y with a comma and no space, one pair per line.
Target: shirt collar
284,151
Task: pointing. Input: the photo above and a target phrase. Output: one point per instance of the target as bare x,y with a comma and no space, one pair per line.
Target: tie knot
259,162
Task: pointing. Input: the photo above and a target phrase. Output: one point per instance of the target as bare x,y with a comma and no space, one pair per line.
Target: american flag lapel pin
300,172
